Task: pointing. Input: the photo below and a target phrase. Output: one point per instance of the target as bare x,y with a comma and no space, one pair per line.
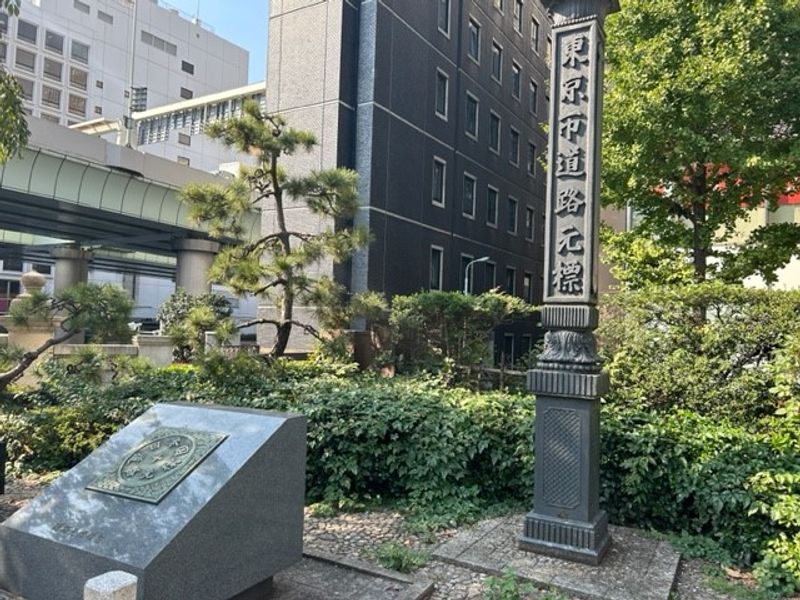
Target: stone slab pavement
356,537
637,567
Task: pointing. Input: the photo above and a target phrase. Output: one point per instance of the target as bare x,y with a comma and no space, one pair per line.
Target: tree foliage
277,266
102,310
431,328
13,126
186,319
702,123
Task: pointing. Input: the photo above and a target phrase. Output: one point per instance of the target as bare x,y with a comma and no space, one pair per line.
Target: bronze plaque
160,462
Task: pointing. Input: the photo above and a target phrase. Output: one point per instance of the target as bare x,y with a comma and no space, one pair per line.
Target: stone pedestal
195,257
197,502
156,348
37,331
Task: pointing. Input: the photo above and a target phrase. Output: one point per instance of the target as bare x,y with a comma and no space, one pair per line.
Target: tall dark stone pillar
566,520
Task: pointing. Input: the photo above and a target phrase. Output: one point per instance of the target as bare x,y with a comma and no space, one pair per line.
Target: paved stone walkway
358,536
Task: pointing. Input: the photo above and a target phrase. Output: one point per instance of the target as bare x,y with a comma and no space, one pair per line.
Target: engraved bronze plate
153,468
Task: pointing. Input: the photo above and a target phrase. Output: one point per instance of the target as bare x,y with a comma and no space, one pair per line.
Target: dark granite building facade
438,104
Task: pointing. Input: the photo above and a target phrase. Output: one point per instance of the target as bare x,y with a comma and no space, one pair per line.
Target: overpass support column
71,267
194,261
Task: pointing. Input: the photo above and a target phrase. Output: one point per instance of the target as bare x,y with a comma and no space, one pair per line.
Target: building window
534,35
513,146
3,23
52,69
474,47
439,179
490,275
27,32
494,132
511,280
3,52
531,160
54,42
184,139
80,52
471,124
105,17
533,97
159,43
52,119
512,215
527,287
468,202
529,223
186,93
491,206
516,80
51,97
25,60
442,85
443,16
27,88
497,61
437,262
187,67
466,274
77,105
518,16
99,84
81,6
507,356
78,78
183,160
12,264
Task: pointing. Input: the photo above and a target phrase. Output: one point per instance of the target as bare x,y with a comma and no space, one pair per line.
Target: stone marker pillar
195,257
114,585
566,520
71,267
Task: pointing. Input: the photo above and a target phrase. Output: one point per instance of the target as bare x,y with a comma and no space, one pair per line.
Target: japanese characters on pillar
573,190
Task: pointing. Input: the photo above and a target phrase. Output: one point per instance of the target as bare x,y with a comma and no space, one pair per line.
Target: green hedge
446,454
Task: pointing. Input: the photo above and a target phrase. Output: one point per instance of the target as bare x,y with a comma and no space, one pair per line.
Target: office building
73,57
439,106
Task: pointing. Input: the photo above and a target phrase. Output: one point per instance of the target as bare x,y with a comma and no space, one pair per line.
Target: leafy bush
445,454
186,318
431,328
661,354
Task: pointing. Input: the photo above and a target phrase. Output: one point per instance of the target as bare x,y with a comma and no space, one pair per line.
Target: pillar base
577,541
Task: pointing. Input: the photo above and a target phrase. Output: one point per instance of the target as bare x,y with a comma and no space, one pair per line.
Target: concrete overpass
76,200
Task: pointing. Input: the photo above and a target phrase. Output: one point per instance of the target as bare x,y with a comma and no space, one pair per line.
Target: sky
243,22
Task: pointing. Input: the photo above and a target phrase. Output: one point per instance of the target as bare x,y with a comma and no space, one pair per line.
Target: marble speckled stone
234,521
114,585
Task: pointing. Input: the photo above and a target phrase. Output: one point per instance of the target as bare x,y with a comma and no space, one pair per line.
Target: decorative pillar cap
565,11
33,281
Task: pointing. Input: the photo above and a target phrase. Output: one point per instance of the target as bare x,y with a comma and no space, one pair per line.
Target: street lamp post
566,520
468,267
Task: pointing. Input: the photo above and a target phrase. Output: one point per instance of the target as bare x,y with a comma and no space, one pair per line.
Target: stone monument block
195,501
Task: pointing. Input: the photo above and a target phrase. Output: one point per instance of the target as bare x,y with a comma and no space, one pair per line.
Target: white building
73,58
175,131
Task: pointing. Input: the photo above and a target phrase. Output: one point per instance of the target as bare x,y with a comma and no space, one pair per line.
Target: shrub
661,354
186,318
430,328
446,454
